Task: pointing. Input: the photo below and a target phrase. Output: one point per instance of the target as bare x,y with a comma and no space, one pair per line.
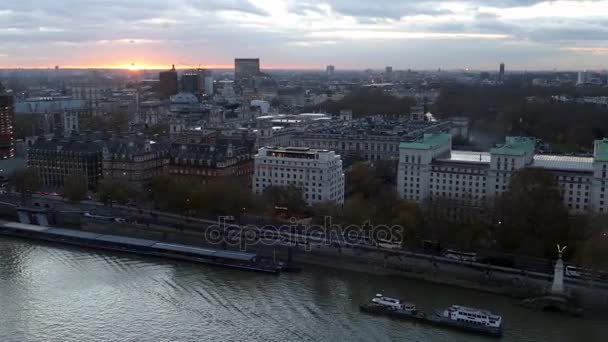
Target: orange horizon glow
136,67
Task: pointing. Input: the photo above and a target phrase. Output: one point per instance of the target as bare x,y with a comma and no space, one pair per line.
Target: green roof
515,146
428,142
601,150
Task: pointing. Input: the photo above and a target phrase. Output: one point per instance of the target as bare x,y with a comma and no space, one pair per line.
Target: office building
583,78
246,69
388,71
206,81
330,70
370,138
58,159
318,173
191,82
430,169
7,118
501,73
168,82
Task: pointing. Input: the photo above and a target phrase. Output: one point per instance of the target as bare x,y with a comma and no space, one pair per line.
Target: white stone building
317,172
430,169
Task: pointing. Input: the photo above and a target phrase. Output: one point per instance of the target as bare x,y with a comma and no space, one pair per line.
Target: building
7,118
136,162
430,169
501,73
388,71
70,123
205,161
318,173
206,81
246,69
58,159
191,83
370,138
583,78
168,82
59,114
330,70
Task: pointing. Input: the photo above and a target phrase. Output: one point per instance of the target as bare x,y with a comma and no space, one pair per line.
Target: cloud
300,30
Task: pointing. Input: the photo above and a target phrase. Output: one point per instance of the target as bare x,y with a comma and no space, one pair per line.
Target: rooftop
515,146
428,142
601,150
563,163
467,156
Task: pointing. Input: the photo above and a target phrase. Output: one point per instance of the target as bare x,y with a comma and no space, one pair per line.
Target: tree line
509,109
367,101
528,219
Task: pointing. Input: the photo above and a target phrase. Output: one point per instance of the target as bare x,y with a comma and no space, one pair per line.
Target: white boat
393,303
472,316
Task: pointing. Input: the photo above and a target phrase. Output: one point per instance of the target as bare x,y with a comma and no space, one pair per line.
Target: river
56,293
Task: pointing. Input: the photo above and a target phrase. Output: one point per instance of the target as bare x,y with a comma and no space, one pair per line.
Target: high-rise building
330,70
206,81
582,78
168,82
318,173
501,73
191,82
388,70
7,116
246,68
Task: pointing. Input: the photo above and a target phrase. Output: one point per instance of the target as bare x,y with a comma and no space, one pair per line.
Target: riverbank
495,280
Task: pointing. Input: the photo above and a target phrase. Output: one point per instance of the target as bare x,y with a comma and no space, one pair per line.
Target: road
286,235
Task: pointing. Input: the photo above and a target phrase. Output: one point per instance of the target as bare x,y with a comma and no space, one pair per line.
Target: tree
228,196
367,101
357,211
75,188
386,171
361,180
25,182
112,191
289,197
531,217
410,219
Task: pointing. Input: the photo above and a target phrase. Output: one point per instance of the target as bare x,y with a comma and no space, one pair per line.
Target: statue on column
557,288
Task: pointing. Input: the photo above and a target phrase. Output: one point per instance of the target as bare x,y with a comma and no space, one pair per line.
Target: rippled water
56,293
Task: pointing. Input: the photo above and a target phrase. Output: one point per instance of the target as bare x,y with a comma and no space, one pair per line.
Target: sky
307,34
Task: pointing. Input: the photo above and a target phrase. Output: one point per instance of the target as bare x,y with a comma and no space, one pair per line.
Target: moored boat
454,317
472,319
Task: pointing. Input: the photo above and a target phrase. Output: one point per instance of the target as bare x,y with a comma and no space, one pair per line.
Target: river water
56,293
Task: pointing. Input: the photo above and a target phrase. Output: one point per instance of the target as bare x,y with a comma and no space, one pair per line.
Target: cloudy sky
525,34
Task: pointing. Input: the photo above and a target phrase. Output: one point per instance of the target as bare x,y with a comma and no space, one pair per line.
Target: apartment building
317,172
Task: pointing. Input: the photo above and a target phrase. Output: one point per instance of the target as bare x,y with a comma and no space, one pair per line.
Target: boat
471,319
454,317
389,306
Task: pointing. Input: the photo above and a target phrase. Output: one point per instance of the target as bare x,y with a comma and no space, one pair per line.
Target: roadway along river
56,293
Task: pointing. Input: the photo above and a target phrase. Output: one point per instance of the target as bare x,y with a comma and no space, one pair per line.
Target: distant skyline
290,34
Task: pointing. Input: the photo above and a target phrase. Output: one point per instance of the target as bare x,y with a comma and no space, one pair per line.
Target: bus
460,256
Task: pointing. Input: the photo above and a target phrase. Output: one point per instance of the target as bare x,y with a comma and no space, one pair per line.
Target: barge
224,258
